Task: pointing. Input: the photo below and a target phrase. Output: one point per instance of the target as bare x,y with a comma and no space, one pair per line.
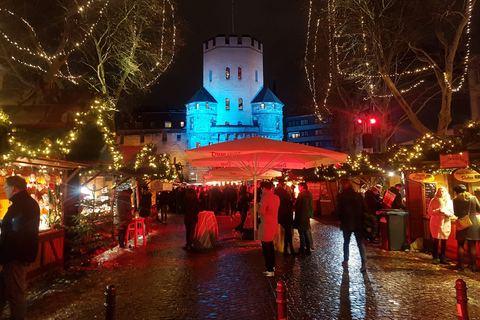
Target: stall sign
157,185
421,177
388,198
466,175
456,160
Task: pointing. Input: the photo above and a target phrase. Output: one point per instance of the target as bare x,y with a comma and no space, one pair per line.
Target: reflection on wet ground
162,281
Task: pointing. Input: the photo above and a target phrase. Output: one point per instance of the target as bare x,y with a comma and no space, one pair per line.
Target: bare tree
415,52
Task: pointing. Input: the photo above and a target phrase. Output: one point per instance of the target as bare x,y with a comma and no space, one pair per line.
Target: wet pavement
162,281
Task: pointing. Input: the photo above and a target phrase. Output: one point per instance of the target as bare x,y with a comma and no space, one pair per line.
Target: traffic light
372,120
359,121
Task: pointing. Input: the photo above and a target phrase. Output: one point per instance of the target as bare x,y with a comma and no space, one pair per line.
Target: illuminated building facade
233,102
308,130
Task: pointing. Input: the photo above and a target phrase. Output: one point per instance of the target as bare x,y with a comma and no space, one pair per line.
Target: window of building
278,125
191,124
198,145
227,40
240,104
255,121
227,104
164,136
262,106
227,123
197,106
273,105
207,106
182,124
239,72
317,144
168,124
138,124
295,135
256,76
227,73
179,137
210,75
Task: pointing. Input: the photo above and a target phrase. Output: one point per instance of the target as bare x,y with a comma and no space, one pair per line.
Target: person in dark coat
231,198
285,216
243,205
124,214
18,245
190,208
163,200
302,217
144,207
351,210
466,204
216,197
374,203
398,201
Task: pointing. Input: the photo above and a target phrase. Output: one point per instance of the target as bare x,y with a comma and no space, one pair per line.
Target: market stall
46,183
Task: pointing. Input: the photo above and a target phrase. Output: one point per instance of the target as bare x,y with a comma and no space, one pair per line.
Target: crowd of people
357,212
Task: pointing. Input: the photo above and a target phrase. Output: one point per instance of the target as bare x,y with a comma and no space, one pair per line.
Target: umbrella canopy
258,155
262,153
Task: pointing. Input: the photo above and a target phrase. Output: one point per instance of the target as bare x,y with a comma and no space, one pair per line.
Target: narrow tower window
227,73
240,104
227,104
210,75
256,76
239,72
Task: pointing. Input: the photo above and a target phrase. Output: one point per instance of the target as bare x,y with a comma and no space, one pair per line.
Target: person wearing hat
466,204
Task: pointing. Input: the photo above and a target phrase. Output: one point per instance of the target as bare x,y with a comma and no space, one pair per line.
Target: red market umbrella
257,155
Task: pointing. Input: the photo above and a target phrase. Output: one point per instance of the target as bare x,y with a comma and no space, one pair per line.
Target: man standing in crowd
124,214
398,201
285,216
350,210
18,245
268,225
302,217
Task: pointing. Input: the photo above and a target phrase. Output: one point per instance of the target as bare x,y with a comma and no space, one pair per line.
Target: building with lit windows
233,102
166,130
308,130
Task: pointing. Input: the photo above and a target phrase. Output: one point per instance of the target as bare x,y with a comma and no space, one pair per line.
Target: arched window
262,105
197,106
227,73
239,72
240,104
207,106
227,104
227,123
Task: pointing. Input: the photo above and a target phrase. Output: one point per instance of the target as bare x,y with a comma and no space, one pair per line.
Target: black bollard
110,302
462,310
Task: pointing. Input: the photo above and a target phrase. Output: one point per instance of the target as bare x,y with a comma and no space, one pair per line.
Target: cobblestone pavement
162,281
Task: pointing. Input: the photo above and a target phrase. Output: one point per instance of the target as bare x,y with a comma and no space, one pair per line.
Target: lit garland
45,148
333,47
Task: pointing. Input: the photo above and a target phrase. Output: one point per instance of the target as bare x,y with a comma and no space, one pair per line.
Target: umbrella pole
255,208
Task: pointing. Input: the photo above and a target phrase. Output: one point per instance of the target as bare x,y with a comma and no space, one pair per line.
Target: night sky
279,24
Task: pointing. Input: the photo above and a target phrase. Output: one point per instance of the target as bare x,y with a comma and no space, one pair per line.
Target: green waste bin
393,229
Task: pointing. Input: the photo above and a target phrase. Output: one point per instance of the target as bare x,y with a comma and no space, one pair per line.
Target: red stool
138,228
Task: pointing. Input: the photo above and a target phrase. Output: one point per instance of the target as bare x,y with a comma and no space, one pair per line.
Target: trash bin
393,229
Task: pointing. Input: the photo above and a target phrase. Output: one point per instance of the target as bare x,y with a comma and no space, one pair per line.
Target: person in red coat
268,225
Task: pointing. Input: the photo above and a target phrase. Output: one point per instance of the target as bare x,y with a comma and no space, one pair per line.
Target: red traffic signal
373,120
359,121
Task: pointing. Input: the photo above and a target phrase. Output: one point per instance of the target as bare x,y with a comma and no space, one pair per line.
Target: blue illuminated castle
233,103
